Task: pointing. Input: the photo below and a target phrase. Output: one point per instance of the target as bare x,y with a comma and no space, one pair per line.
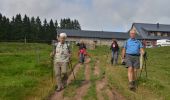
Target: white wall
96,41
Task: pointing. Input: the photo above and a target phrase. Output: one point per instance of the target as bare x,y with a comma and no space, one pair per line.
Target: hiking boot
111,61
65,78
59,89
132,86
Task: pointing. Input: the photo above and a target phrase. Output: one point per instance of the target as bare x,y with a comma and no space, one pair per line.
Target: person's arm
111,46
69,50
123,53
124,50
53,51
142,51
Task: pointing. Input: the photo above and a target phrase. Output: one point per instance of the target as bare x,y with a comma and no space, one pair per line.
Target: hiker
131,53
61,55
115,51
82,51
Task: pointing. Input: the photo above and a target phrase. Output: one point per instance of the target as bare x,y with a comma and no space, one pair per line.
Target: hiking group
131,52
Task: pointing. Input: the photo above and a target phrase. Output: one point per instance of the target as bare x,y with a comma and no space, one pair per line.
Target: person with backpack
131,53
115,52
61,54
82,52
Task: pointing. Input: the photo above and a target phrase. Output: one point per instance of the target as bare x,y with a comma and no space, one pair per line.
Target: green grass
156,86
80,77
26,71
91,93
20,69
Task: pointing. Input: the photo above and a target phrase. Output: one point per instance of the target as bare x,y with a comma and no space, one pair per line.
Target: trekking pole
145,61
52,59
144,65
52,70
70,64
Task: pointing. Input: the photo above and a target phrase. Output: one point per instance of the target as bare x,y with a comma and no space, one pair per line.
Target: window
152,34
168,41
158,34
165,34
169,34
149,33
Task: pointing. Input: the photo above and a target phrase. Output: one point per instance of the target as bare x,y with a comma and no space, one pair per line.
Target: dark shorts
132,61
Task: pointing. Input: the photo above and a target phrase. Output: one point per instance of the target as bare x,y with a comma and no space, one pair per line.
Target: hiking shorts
132,61
60,68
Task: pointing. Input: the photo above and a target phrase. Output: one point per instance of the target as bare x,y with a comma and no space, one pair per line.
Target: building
152,32
147,33
95,37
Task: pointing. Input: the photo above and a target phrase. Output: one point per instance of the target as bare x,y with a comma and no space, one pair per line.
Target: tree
69,24
56,24
26,27
38,28
52,30
31,28
18,28
76,25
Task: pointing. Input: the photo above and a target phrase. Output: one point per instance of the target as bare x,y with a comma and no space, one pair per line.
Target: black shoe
111,61
132,86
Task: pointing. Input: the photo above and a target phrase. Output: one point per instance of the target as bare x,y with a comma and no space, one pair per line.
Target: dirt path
81,91
96,69
102,89
59,95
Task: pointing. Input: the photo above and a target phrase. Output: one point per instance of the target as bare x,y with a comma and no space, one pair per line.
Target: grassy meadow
25,73
155,87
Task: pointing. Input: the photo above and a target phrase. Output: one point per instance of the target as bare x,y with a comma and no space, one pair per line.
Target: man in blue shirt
131,53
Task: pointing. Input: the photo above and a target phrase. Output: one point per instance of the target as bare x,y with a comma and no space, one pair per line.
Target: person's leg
64,73
57,69
81,58
129,63
130,73
112,58
116,57
136,67
135,74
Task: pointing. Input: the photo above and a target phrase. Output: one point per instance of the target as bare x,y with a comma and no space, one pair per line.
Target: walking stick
52,70
144,60
52,59
70,64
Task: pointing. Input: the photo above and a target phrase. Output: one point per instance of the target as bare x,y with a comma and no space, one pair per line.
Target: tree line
33,29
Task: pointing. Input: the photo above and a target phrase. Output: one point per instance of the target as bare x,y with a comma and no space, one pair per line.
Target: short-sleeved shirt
61,52
133,46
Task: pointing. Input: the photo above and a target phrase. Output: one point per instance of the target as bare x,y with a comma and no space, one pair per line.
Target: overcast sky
106,15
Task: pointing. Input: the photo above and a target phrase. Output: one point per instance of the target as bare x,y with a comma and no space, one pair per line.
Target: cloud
108,15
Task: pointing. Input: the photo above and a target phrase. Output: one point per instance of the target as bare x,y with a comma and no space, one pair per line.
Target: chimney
157,25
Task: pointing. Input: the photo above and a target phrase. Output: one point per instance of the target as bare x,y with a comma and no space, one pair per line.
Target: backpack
56,44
